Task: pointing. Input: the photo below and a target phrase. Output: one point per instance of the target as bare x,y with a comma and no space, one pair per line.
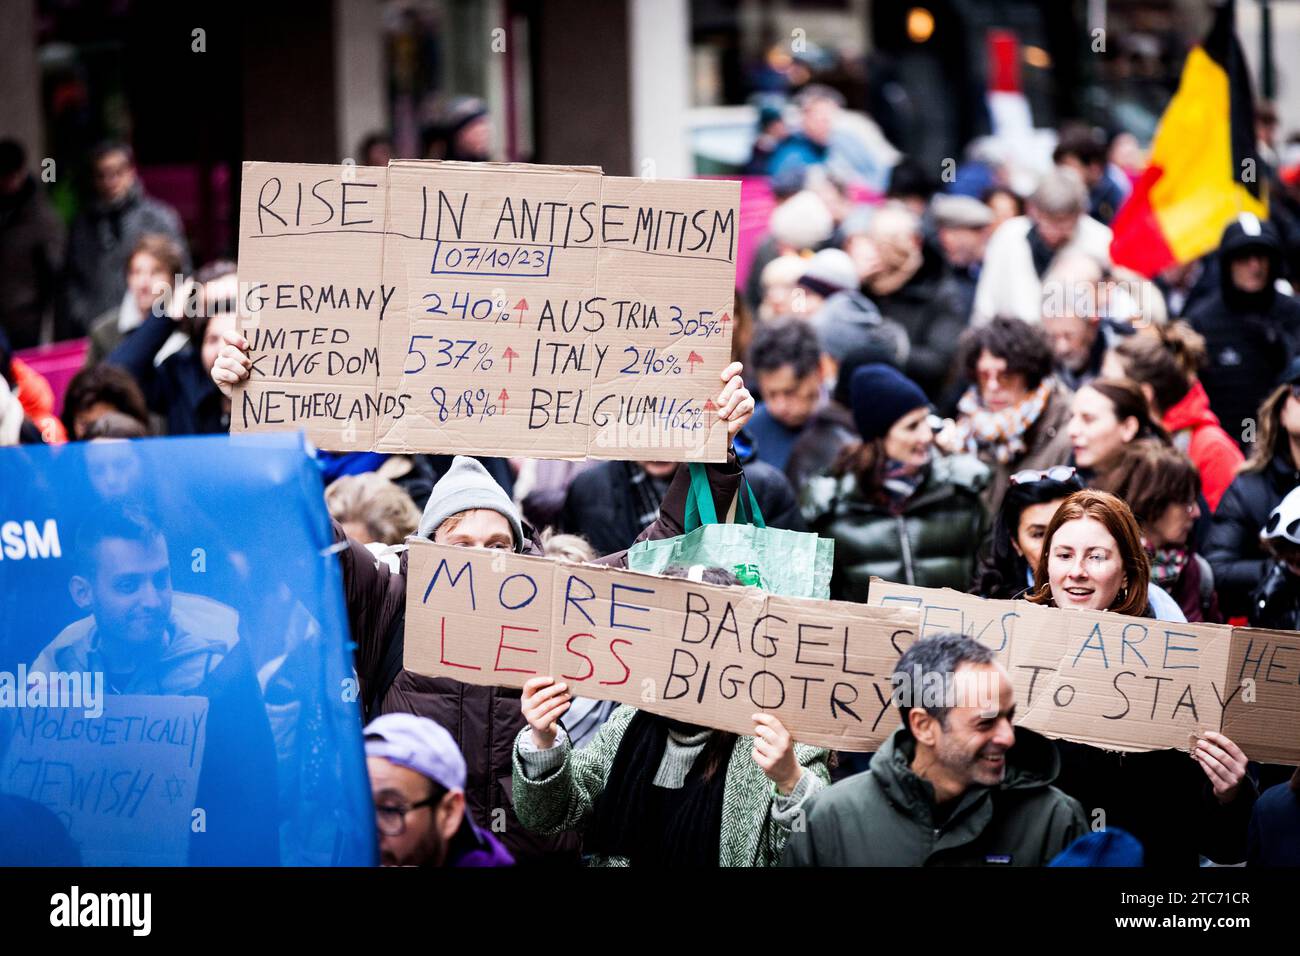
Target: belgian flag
1203,169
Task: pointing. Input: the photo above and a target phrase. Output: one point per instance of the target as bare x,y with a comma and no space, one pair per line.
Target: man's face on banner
128,589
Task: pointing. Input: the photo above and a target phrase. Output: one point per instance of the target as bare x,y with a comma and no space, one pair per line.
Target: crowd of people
953,382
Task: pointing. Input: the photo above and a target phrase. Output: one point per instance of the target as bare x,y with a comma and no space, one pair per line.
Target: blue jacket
179,389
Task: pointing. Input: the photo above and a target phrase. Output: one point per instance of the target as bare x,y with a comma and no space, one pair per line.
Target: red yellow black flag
1203,169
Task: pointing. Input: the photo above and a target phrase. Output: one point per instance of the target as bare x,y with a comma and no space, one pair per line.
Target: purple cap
417,743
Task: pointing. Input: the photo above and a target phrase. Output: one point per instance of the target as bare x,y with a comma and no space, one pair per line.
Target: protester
467,508
1106,415
149,639
1251,330
905,285
1076,330
181,388
1275,602
776,284
651,790
417,781
1233,546
31,252
787,365
1164,365
819,108
1022,250
613,502
1274,836
956,785
1014,417
151,272
894,508
375,149
1161,487
1093,559
962,228
371,509
1083,151
103,235
829,271
97,391
1004,202
1011,552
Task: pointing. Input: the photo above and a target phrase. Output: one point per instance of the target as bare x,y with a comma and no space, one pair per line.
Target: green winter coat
563,799
932,543
882,817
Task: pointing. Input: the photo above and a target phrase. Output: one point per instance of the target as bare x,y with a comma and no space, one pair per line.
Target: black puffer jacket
932,542
1249,337
1233,547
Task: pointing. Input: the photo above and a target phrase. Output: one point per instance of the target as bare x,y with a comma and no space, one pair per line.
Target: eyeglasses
1055,473
391,821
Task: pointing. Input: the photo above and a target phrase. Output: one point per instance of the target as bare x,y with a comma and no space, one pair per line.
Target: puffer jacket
1197,433
885,817
1232,547
483,720
932,542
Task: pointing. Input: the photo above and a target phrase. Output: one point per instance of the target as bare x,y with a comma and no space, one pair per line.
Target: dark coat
931,543
99,244
1275,603
180,389
885,817
1163,798
1274,835
1233,545
483,720
602,506
933,322
31,258
1249,337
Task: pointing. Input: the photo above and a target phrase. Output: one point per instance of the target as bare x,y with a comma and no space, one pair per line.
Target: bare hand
544,702
1223,762
233,364
735,404
774,753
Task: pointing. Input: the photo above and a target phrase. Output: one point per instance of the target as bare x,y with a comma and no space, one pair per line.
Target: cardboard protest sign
122,782
1126,683
490,308
701,653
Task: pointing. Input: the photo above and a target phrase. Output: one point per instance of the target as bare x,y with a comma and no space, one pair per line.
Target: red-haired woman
1178,808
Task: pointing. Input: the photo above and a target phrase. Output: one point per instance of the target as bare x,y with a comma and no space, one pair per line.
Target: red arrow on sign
724,320
709,406
502,399
522,306
510,355
693,360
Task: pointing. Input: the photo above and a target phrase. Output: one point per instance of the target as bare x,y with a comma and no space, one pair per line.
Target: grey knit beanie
465,487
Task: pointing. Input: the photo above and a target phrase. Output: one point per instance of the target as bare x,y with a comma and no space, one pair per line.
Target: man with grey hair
956,785
1023,248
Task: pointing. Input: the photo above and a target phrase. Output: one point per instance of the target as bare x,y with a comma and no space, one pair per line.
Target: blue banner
176,680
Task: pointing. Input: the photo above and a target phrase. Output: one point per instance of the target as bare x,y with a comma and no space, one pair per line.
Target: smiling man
956,785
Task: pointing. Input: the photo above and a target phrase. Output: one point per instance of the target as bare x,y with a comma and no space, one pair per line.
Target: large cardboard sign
701,653
123,783
1128,683
487,308
714,655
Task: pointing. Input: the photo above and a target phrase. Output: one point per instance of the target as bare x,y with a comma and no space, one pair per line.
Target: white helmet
1284,522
